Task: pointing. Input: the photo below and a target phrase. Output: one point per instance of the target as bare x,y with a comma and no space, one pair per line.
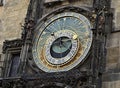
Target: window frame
9,74
10,47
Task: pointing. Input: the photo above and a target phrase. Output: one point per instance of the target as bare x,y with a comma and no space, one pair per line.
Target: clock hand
74,38
65,46
57,42
65,40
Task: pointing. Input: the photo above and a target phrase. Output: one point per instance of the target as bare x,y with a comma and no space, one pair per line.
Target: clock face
62,42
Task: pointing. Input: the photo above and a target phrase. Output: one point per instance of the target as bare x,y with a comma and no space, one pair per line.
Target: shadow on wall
1,2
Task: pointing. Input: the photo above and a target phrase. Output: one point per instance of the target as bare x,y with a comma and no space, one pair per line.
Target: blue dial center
61,47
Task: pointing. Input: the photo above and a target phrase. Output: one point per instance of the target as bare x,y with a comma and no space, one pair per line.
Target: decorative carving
28,28
51,3
72,78
35,10
69,78
99,4
12,44
34,13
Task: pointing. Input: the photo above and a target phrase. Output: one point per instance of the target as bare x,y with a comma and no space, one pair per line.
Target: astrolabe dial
61,47
62,42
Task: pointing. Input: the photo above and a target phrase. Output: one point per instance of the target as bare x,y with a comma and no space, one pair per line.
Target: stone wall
80,3
111,78
12,15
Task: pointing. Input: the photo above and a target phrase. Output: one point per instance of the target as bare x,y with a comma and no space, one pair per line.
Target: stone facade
78,3
111,78
12,15
13,12
116,6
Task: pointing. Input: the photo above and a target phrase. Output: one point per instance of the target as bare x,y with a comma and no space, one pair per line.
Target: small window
15,62
1,2
1,65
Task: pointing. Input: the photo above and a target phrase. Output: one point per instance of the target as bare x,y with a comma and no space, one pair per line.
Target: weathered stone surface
111,78
0,47
79,3
113,84
113,51
113,40
112,59
116,5
12,14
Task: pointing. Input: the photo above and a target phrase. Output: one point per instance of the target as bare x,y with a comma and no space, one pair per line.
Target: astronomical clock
61,48
62,42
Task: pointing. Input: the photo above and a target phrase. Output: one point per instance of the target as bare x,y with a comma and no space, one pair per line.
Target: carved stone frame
8,58
10,48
